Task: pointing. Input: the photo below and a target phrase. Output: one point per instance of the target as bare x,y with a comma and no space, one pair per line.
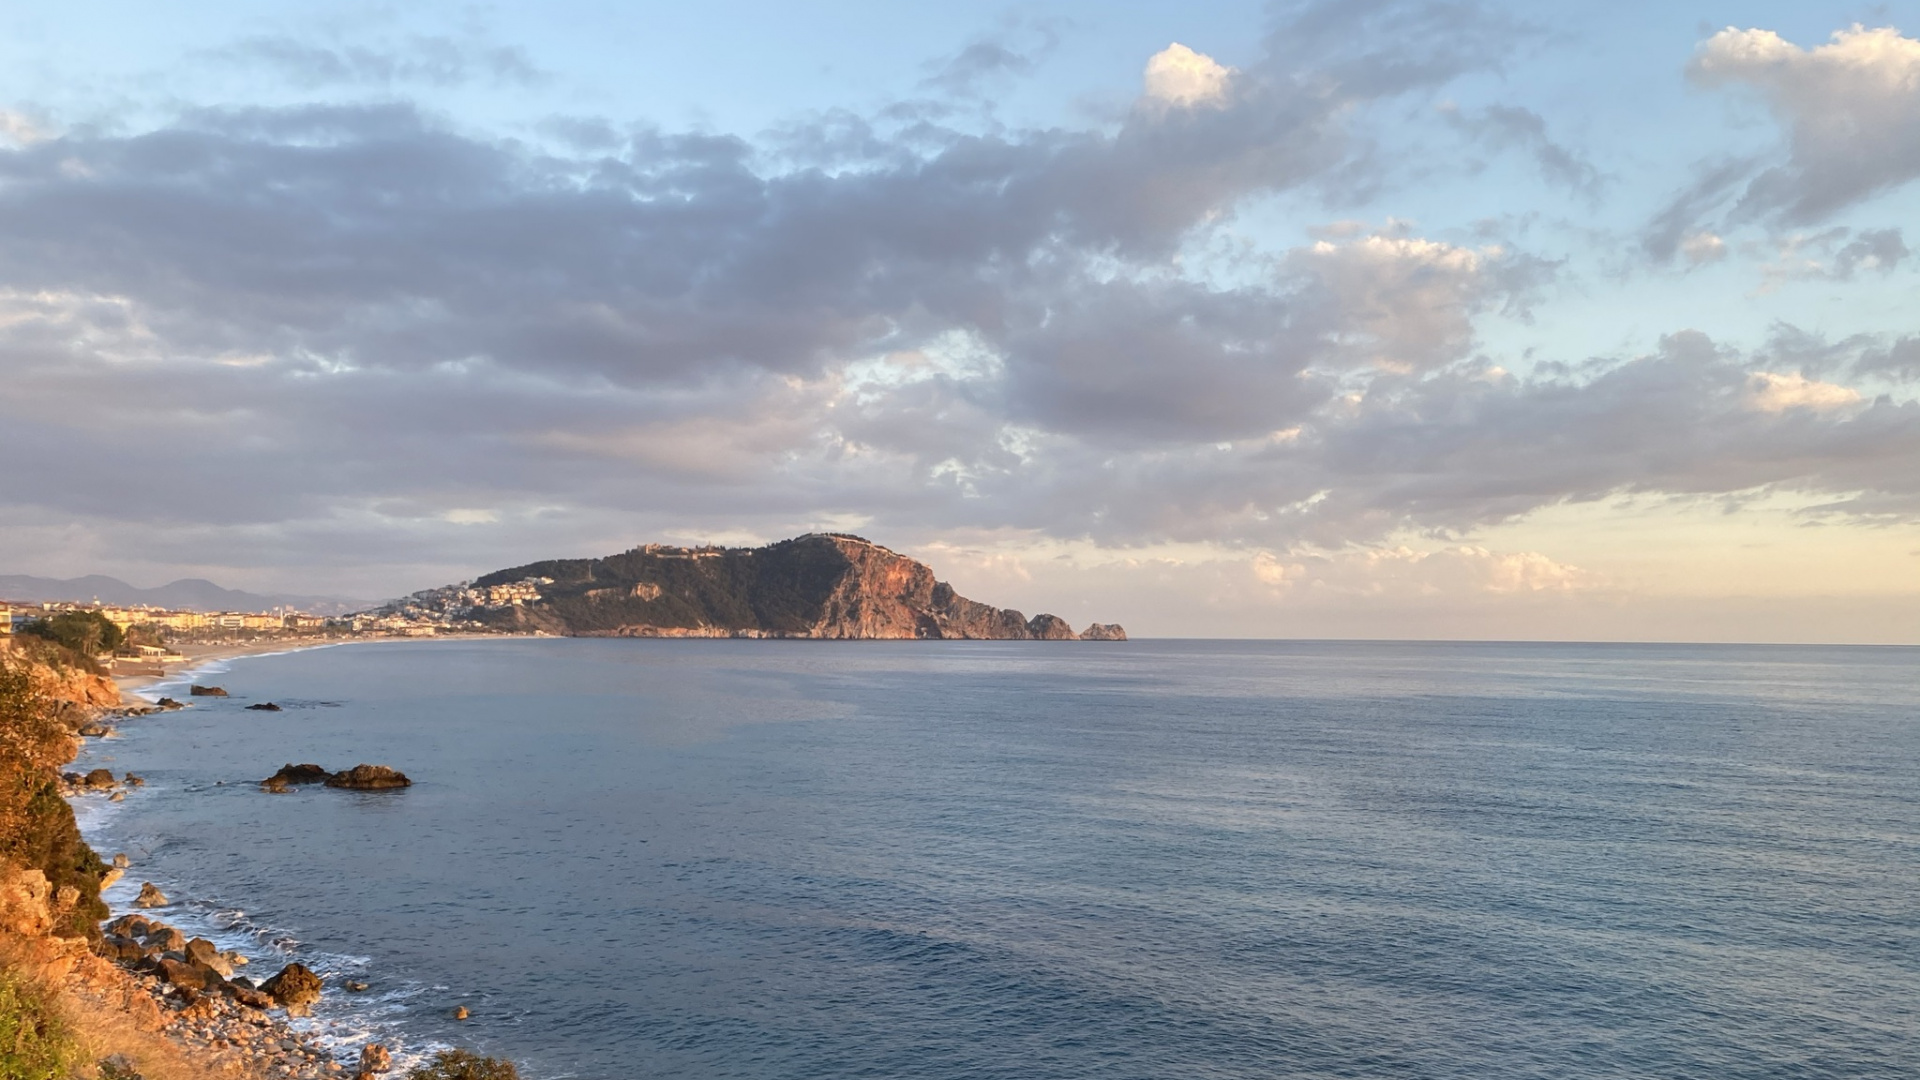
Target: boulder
164,938
95,729
134,781
355,985
374,1058
275,785
150,896
249,996
264,706
295,988
121,948
202,953
100,778
182,974
1103,632
369,778
120,860
205,691
300,774
460,1012
168,703
130,925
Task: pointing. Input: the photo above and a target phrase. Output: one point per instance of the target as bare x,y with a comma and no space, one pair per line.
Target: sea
772,860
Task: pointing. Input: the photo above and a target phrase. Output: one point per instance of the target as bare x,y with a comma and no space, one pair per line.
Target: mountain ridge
191,594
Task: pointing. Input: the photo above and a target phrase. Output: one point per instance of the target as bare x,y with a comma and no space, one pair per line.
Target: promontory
823,585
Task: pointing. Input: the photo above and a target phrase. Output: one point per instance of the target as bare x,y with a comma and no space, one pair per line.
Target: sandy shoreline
199,656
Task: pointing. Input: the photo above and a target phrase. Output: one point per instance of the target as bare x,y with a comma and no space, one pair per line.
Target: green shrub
34,1042
464,1065
88,633
36,825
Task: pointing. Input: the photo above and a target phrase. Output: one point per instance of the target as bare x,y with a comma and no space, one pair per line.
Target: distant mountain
191,594
817,586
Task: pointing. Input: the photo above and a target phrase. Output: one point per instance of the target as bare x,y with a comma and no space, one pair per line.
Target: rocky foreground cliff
817,586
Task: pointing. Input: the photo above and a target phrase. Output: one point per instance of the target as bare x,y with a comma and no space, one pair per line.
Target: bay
721,859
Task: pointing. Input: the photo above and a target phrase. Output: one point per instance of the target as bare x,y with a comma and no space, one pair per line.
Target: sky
1363,319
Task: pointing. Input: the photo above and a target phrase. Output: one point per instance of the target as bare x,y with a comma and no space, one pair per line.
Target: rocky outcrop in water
369,778
296,988
819,586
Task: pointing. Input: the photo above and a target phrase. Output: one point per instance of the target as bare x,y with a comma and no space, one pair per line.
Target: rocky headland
824,586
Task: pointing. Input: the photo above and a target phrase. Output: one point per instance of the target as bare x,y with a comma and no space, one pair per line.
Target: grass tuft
35,1043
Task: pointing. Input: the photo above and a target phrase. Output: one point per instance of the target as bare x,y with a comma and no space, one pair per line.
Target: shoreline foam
324,1045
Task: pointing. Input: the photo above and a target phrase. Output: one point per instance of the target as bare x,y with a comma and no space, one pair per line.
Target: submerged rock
295,988
95,729
369,778
205,691
460,1012
264,706
168,703
151,896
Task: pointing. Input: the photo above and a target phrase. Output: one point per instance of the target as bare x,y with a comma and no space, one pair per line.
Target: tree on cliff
88,633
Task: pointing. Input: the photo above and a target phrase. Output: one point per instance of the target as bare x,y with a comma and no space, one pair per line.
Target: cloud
1403,572
1850,109
1773,393
1872,249
359,330
421,60
993,59
1176,75
1703,247
1898,361
1835,254
19,129
1509,127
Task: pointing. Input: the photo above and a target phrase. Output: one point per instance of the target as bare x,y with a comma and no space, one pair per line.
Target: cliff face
819,586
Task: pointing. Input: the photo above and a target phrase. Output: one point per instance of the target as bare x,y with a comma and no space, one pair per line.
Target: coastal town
151,637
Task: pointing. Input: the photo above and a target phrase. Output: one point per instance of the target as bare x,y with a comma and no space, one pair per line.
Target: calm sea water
710,859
